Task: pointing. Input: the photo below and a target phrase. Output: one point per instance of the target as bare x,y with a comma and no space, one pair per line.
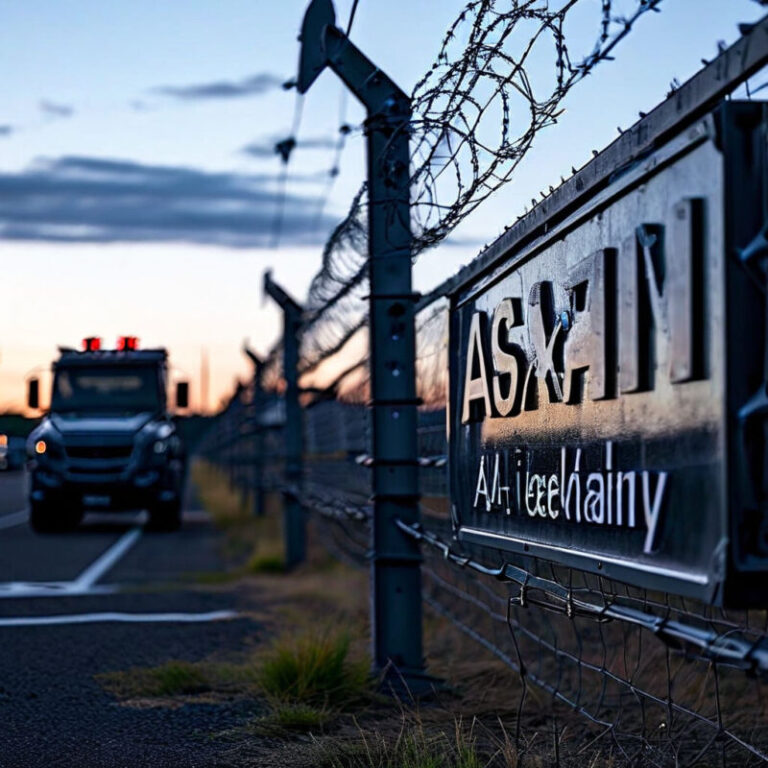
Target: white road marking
103,563
14,519
131,618
50,589
85,583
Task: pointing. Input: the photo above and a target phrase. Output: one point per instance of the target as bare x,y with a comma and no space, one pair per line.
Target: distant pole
295,525
396,561
257,437
204,380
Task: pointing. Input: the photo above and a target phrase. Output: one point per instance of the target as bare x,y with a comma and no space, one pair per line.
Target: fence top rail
686,104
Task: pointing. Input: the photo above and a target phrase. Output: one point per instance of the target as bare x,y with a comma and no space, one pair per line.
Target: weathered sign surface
601,375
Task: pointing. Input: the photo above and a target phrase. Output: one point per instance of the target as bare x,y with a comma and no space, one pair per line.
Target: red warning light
92,344
127,343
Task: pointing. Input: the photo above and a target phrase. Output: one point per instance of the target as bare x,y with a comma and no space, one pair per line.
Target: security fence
611,673
657,679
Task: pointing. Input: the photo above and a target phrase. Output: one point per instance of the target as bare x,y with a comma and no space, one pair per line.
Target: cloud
94,200
266,147
52,109
6,130
255,85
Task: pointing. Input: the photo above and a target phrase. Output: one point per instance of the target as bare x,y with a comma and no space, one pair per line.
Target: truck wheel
45,519
165,516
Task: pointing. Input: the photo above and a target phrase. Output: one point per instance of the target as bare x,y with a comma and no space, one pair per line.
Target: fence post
257,437
294,523
396,561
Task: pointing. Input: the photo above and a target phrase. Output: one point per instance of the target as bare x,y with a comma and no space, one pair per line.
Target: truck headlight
160,446
45,449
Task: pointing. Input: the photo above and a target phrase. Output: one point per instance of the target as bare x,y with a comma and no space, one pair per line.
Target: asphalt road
108,596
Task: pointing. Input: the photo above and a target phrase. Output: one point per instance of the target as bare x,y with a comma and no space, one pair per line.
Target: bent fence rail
616,671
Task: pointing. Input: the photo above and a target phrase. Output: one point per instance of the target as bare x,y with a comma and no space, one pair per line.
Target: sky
139,187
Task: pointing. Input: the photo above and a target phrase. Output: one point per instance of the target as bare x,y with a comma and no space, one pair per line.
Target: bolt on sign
608,374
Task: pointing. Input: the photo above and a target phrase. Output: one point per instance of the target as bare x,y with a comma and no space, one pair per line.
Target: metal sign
608,377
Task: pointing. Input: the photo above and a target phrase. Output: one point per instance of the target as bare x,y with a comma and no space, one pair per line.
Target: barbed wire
344,130
284,150
468,136
622,675
476,113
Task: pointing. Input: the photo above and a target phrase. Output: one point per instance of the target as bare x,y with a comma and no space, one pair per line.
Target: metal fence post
257,435
295,527
396,562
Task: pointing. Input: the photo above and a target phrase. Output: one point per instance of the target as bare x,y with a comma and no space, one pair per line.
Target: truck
108,440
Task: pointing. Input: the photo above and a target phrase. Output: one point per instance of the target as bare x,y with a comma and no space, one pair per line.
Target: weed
414,747
286,718
304,679
222,503
265,564
169,679
314,669
175,678
258,541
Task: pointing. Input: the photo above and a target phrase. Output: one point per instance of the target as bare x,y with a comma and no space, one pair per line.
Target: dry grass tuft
256,542
314,669
221,502
317,682
417,746
174,678
285,719
177,678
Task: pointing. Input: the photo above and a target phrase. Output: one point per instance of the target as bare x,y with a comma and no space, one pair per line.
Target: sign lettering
560,343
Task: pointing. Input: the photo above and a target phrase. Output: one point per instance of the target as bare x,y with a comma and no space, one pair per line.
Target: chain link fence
609,673
603,669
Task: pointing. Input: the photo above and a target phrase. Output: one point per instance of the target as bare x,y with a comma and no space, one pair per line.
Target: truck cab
108,441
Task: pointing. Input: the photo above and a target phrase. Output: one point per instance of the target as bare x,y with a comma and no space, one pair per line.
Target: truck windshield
103,388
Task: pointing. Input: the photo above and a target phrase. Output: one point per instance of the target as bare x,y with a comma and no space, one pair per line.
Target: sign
604,374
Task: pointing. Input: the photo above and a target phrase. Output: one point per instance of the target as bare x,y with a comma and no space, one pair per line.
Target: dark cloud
52,109
255,85
82,199
6,130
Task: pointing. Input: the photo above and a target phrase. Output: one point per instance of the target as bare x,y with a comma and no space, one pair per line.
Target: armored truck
108,441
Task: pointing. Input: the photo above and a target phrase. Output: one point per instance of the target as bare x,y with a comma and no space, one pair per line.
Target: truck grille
99,451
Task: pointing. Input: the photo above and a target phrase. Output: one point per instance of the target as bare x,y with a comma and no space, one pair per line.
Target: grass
170,679
223,504
415,746
181,678
285,719
317,682
314,670
264,564
256,542
307,681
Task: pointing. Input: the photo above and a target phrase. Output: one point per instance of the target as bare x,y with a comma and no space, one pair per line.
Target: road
106,597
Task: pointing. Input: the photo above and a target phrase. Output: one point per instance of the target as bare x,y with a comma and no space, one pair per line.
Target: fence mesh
614,674
607,671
